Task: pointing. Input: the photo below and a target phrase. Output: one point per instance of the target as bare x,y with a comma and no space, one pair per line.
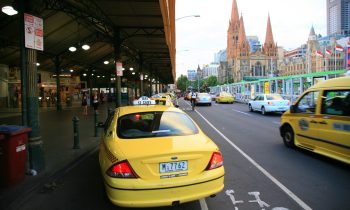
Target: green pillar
36,151
141,74
58,91
23,62
117,51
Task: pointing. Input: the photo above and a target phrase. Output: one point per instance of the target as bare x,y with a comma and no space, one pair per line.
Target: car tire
263,111
250,108
288,136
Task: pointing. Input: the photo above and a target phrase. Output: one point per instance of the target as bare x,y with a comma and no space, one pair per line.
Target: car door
255,102
334,124
304,120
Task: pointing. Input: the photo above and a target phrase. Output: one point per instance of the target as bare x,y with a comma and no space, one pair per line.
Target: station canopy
144,28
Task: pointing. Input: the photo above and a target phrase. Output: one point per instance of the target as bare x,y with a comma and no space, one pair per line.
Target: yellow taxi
162,99
224,97
319,121
154,155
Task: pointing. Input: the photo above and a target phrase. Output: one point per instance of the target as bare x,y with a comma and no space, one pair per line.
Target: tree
182,83
212,81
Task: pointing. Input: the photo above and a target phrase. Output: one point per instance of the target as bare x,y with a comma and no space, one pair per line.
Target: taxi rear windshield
155,124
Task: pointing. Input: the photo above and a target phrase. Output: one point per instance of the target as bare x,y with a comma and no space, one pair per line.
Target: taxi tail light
121,170
216,161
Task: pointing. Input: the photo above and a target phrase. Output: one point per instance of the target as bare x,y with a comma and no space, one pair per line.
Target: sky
199,38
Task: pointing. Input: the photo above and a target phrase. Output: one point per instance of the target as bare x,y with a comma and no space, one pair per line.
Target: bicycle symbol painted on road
262,204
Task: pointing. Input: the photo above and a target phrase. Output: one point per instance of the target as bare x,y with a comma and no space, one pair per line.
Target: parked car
268,103
319,120
224,97
203,98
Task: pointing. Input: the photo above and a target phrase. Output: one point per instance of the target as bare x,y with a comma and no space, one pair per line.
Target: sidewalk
57,135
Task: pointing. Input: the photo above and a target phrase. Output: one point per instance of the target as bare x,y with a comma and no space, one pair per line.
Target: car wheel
250,108
263,111
288,137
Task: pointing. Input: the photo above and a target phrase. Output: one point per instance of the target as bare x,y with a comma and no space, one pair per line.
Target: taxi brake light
137,116
121,170
216,161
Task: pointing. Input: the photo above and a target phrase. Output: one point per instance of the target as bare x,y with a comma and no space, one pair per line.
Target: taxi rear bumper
164,196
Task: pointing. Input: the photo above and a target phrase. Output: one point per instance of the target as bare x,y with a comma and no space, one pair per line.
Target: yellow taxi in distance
153,155
162,99
224,97
319,121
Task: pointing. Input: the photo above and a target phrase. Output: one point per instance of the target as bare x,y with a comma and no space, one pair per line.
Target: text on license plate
167,167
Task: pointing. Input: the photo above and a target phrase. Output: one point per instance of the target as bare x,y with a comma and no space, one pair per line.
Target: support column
301,86
23,63
36,151
58,85
141,74
276,86
117,51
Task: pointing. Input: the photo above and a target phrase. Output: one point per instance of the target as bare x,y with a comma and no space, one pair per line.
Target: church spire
243,45
234,13
269,35
241,35
270,48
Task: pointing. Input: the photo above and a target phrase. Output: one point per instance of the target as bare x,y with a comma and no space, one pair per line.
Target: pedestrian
84,103
102,96
95,101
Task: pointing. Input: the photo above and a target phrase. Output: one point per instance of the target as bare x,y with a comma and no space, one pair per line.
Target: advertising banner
266,87
119,67
33,32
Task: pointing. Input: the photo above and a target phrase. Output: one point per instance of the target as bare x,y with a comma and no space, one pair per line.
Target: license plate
168,167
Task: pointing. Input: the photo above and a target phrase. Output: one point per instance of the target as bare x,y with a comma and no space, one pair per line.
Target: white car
203,98
268,103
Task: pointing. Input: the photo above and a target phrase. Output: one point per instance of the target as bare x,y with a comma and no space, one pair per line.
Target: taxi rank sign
33,32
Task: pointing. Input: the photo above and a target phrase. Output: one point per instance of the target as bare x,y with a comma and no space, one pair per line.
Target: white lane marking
242,112
276,122
203,204
267,174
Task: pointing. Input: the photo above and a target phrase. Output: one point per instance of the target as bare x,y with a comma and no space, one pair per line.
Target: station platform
56,129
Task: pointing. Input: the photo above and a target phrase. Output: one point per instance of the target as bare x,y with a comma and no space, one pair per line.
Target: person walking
95,101
84,103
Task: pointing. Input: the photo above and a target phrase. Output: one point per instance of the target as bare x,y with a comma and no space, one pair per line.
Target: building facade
191,75
243,62
338,17
325,55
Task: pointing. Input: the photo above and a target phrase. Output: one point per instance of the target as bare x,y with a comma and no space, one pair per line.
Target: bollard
96,128
76,132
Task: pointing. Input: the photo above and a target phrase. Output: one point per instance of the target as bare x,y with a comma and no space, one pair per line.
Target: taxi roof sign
144,100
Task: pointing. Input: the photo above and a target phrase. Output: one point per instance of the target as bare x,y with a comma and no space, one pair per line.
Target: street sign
33,32
119,67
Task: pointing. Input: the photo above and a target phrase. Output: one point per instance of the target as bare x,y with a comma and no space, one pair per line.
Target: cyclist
193,98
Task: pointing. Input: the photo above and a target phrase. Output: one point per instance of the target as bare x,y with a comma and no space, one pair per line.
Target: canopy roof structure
145,30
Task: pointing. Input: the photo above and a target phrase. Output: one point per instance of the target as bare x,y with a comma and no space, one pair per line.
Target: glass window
155,124
336,102
307,104
274,97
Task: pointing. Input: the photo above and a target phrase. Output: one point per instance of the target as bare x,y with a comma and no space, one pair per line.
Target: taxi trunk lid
168,157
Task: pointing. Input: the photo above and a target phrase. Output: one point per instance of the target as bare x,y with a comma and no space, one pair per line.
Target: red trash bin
13,153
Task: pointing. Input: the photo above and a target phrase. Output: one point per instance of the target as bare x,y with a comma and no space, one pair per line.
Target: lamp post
187,17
